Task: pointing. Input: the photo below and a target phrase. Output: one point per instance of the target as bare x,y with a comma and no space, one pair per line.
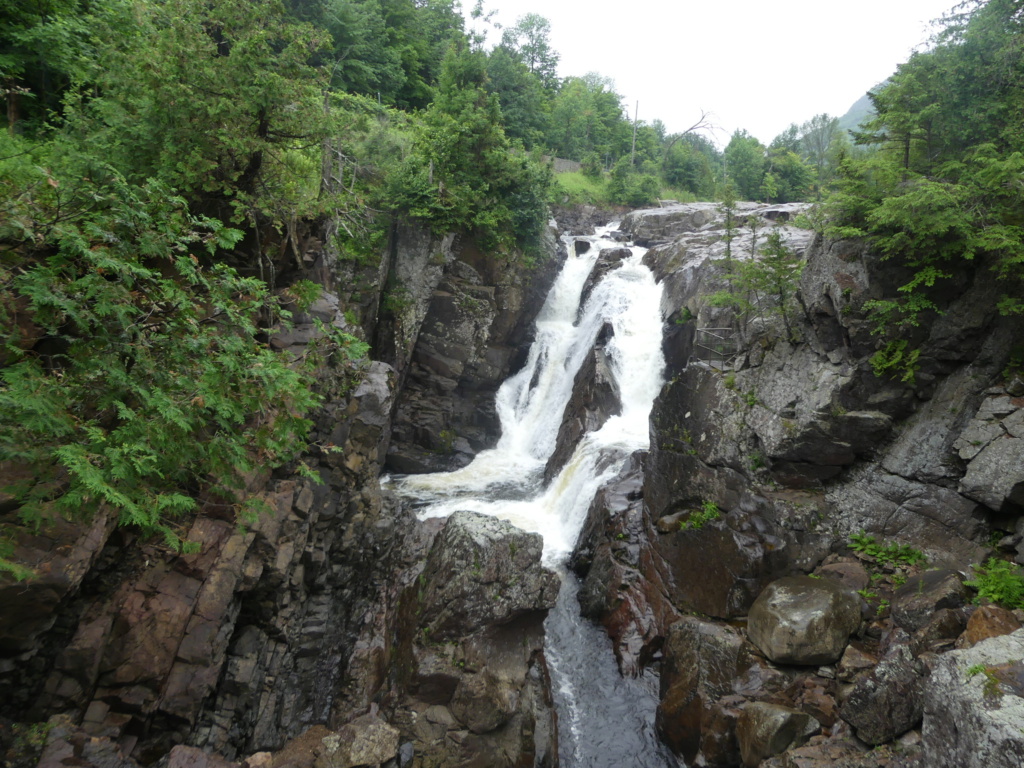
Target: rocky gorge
787,560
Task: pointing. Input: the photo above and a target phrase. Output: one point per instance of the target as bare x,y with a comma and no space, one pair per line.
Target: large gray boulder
974,706
367,740
801,620
993,446
886,703
483,571
916,602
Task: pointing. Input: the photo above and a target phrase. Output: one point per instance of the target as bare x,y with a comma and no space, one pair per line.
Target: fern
154,382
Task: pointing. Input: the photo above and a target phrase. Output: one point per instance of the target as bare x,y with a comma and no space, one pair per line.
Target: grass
584,190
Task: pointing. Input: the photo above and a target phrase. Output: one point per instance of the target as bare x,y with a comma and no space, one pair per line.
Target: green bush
999,582
695,521
887,554
137,376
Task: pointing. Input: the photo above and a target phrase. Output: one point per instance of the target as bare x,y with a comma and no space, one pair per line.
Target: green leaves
999,582
940,190
150,383
764,285
464,174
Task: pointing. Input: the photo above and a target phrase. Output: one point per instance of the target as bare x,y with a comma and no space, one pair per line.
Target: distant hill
858,113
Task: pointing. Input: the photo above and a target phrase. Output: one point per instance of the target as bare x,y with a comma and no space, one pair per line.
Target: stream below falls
605,721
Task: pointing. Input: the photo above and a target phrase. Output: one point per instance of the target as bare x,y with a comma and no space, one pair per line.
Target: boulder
661,224
850,573
855,661
941,631
766,729
887,702
988,621
916,601
993,444
974,707
800,620
483,571
367,740
483,702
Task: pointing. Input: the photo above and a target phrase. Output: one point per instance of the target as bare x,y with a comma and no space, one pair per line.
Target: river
605,721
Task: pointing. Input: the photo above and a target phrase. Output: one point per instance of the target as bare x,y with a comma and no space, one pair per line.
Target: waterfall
597,708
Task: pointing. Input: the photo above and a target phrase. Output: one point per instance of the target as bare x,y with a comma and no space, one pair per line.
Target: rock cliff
776,451
304,618
789,555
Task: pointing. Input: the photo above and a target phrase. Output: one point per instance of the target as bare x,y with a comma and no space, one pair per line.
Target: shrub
999,582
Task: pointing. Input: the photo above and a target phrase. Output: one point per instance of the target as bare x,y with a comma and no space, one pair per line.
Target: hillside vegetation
159,154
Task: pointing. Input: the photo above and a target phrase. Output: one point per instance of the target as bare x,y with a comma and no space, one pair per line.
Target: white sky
755,64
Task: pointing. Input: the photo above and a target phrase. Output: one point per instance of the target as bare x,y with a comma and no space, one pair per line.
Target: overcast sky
755,64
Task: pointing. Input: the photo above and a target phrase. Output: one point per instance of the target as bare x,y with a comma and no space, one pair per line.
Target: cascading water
605,720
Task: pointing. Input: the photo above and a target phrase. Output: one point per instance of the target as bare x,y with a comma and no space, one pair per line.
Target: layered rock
471,316
782,429
287,621
471,683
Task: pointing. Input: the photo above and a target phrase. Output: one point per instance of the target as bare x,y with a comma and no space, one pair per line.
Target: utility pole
632,151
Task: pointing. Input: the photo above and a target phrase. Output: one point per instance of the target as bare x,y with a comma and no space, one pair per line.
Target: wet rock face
701,662
974,706
624,586
993,447
721,567
467,329
63,554
235,647
468,682
594,399
800,620
483,571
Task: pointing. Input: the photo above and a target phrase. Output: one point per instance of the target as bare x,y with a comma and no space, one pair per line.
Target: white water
605,721
506,480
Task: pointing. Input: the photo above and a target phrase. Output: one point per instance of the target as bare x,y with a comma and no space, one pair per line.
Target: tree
817,137
207,99
361,58
939,191
744,159
788,140
462,174
727,208
529,39
792,177
525,108
45,47
766,284
153,384
587,116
